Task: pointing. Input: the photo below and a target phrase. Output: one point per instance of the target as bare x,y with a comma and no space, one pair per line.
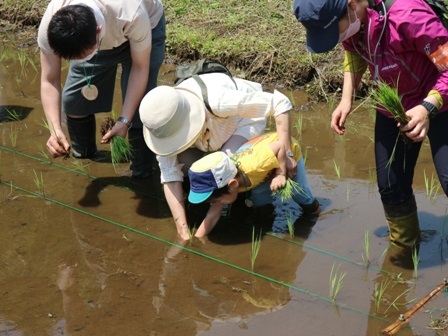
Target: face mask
352,29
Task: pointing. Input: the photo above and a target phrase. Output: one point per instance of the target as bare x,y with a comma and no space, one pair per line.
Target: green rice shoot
387,97
120,149
291,187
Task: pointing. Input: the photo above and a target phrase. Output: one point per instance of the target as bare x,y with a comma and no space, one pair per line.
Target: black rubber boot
312,209
82,133
142,158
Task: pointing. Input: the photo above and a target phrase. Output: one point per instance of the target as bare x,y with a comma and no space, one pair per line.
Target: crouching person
260,164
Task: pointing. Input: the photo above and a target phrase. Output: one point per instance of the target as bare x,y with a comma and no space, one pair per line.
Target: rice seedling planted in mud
255,247
415,261
367,247
291,187
432,186
13,115
39,182
80,166
336,282
290,224
337,169
379,291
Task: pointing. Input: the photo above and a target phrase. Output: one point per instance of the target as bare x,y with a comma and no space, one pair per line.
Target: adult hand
339,116
58,145
119,129
417,127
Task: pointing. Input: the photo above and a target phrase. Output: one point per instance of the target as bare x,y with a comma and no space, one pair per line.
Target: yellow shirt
257,160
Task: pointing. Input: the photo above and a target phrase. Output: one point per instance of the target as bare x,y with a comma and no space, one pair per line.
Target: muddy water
85,250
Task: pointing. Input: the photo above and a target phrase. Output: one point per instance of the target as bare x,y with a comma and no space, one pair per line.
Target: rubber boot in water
82,133
142,158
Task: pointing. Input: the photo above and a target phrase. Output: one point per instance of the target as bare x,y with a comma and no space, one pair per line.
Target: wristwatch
432,110
290,153
125,121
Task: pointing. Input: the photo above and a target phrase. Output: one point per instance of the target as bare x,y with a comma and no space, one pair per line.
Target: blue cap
320,18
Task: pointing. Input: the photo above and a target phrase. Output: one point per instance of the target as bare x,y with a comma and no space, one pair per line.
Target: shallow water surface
86,250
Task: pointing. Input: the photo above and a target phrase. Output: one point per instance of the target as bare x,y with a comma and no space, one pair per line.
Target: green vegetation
336,282
255,247
291,187
260,40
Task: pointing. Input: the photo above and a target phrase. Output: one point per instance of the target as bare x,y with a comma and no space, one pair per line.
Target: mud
86,250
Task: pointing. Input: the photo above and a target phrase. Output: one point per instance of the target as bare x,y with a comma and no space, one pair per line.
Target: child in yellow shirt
218,179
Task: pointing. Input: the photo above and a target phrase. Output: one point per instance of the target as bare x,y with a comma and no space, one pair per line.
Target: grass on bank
260,40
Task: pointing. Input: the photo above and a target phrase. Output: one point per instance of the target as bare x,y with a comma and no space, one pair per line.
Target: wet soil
86,250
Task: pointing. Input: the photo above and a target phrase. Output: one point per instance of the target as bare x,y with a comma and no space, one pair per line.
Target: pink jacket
411,32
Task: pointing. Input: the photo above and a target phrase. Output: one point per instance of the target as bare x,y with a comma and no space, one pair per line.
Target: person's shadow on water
14,113
148,191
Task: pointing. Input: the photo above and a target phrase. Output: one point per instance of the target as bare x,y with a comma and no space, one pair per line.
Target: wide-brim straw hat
172,118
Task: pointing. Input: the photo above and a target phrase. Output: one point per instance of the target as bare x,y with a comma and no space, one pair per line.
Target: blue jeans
285,211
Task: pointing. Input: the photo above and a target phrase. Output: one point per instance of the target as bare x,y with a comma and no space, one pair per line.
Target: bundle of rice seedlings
291,187
120,148
388,98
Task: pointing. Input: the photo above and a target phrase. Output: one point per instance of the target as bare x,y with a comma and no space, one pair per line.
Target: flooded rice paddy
86,250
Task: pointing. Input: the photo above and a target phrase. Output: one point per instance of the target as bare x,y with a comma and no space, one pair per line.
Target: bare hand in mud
58,145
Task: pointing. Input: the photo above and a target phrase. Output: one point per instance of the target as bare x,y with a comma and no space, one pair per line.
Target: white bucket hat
172,119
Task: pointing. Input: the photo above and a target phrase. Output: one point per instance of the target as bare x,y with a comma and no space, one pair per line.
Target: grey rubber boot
82,133
142,158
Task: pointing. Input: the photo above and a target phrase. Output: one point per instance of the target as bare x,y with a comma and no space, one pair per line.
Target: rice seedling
387,97
432,186
415,261
43,153
291,187
298,125
81,166
255,247
290,224
378,294
337,168
13,135
39,182
336,282
120,149
347,194
395,303
13,115
191,232
366,256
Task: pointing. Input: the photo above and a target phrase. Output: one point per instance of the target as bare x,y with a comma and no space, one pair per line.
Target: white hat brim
186,135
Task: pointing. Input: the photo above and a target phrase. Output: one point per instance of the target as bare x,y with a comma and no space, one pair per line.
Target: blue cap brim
196,198
322,40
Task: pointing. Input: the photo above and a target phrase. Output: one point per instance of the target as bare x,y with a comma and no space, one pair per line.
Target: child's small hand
278,182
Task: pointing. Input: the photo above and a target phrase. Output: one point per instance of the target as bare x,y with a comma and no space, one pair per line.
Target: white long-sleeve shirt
241,111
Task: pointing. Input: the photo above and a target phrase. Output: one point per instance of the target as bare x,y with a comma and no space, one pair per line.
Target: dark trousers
395,175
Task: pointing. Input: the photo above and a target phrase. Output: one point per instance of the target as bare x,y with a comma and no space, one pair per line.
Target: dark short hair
72,31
